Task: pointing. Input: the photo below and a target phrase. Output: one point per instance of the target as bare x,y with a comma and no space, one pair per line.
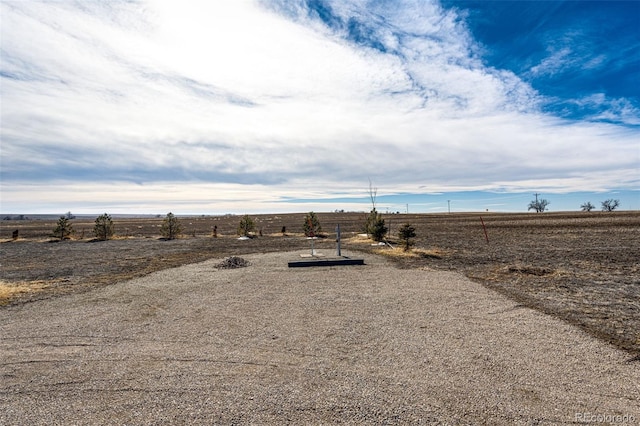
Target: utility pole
536,194
449,205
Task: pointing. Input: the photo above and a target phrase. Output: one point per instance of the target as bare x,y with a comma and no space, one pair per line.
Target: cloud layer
244,104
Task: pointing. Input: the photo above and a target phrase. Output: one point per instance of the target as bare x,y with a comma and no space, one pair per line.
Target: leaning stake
486,236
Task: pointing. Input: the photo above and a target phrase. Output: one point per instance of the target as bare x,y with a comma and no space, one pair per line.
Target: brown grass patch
417,253
539,271
9,290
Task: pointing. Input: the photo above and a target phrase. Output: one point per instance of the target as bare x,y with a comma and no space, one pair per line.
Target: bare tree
610,205
373,193
538,205
587,207
374,225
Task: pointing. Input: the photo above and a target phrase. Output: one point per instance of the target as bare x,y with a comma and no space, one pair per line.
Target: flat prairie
582,268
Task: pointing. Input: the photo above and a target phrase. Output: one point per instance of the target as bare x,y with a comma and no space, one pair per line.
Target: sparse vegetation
406,233
582,251
171,227
63,228
415,253
103,228
312,225
610,205
10,290
587,207
246,226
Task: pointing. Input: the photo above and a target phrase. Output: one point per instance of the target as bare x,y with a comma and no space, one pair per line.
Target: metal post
338,251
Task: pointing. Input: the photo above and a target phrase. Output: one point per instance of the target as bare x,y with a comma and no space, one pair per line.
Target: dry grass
581,267
9,290
417,253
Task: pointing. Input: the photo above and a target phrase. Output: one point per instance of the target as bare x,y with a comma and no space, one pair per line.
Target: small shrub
311,225
63,228
171,227
375,226
103,228
406,233
246,226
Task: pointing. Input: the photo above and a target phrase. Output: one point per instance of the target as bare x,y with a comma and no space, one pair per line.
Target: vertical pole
338,251
312,236
486,236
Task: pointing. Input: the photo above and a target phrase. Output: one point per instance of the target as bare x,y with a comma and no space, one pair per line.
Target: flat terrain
580,267
268,344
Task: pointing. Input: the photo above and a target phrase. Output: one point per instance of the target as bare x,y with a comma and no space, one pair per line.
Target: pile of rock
233,262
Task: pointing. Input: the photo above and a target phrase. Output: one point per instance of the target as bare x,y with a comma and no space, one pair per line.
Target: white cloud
249,105
556,62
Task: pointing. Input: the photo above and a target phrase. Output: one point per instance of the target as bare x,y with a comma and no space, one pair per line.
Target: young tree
406,233
63,228
246,226
311,225
610,205
103,228
375,226
587,207
171,227
539,205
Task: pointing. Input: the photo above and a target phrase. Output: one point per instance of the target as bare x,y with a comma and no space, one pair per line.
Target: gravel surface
369,344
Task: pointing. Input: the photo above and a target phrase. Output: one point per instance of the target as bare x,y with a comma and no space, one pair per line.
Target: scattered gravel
368,344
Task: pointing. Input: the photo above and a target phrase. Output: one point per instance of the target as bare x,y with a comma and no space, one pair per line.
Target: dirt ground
580,267
368,344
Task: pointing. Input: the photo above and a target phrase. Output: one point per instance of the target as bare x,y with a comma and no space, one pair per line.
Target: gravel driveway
268,344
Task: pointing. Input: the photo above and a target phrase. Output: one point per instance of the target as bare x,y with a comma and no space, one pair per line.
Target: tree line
171,228
540,205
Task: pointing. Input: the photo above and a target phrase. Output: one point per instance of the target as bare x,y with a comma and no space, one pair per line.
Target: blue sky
211,107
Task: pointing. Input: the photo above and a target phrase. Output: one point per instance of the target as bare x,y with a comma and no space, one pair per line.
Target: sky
266,106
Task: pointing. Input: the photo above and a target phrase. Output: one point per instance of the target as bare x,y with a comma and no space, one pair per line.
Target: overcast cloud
239,106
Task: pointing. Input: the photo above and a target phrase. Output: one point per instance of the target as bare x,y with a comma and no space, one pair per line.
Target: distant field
581,267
